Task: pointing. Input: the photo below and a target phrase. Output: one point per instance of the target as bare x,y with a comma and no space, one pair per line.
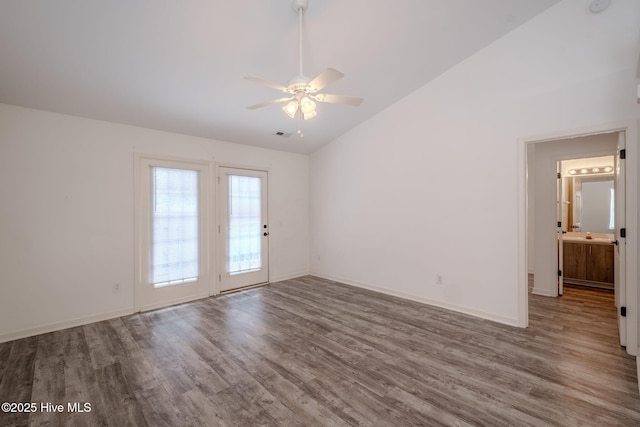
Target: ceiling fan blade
324,79
338,99
264,82
264,104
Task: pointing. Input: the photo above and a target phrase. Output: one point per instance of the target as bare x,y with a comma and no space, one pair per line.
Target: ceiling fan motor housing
298,84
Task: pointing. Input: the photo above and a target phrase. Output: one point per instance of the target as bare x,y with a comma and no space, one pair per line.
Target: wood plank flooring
314,352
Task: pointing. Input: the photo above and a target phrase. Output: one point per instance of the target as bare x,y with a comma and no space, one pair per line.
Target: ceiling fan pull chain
300,134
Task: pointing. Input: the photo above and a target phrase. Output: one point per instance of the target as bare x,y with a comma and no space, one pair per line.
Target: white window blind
245,226
174,226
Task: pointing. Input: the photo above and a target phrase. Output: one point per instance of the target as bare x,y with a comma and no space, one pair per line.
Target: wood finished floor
313,352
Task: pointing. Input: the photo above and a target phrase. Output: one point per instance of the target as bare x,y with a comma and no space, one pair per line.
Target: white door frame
559,197
620,251
143,299
219,264
543,166
631,194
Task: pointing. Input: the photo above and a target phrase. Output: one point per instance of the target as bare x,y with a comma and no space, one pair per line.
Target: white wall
430,186
67,214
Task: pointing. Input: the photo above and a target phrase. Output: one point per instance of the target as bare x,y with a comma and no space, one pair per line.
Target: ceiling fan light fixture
302,92
291,109
307,105
309,116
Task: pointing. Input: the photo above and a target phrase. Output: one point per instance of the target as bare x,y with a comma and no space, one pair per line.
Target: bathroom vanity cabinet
588,263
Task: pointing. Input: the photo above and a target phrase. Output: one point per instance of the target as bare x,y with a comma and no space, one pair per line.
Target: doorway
586,222
540,255
243,228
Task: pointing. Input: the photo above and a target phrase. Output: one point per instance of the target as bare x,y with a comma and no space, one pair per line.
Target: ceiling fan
303,92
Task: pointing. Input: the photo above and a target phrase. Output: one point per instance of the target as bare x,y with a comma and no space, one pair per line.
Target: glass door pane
245,224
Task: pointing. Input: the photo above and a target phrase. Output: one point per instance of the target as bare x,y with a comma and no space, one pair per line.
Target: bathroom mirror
593,204
587,194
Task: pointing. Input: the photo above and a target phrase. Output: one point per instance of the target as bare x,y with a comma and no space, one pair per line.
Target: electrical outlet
439,279
116,288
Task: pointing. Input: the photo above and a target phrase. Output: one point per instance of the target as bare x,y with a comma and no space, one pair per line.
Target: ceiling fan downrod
300,6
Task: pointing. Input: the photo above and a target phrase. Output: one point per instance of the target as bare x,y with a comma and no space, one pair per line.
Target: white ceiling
178,65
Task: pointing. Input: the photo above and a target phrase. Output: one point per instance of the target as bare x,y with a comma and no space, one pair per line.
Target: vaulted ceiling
178,66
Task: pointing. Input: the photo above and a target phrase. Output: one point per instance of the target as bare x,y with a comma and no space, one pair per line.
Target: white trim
57,326
521,235
631,196
577,133
289,276
171,302
244,288
427,301
219,165
631,219
543,292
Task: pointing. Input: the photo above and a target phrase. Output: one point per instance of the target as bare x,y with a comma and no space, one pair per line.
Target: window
174,226
245,224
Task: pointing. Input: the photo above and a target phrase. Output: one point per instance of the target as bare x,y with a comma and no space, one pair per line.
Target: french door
243,230
172,222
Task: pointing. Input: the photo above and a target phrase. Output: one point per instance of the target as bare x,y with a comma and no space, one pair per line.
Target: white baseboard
169,303
51,327
57,326
452,307
543,292
288,276
10,336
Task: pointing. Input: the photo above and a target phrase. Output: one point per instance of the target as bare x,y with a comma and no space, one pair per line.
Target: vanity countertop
596,238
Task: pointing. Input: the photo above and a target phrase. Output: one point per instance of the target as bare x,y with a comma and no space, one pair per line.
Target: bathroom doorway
543,214
586,215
